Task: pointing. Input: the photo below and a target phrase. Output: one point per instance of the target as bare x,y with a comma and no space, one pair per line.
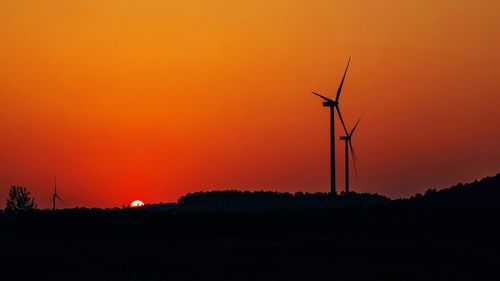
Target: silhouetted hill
234,200
483,193
478,194
298,237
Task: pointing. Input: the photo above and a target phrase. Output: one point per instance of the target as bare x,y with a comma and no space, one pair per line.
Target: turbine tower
334,105
55,197
348,145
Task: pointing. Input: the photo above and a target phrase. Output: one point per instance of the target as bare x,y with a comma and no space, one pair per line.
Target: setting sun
137,204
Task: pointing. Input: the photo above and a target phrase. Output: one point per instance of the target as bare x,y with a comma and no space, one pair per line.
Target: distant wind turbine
334,105
348,145
55,197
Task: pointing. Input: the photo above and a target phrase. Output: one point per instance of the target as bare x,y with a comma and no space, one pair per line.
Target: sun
137,204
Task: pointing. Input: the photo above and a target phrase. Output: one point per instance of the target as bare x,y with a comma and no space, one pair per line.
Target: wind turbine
334,105
55,197
348,144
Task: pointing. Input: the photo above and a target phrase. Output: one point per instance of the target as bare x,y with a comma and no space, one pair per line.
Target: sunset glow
156,99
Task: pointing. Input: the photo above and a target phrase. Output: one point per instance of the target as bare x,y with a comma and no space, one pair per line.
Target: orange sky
150,100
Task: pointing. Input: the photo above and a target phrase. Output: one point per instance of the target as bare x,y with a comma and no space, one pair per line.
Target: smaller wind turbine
55,197
348,145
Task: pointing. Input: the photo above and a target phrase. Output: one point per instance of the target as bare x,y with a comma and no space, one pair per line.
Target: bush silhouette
20,200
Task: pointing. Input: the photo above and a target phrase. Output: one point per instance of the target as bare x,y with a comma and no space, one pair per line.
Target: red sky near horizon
149,100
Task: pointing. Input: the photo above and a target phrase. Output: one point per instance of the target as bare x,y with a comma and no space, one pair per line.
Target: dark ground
382,243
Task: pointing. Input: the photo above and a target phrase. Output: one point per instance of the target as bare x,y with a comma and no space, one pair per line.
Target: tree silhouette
20,200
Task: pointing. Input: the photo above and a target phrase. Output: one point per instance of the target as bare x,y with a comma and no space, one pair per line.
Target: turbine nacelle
345,138
330,103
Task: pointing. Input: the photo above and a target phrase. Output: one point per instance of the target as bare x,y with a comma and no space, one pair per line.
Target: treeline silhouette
478,194
483,193
235,200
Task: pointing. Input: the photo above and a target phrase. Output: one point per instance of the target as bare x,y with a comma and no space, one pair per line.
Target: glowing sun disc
137,204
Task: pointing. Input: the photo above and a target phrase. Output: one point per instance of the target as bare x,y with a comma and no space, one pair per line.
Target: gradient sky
150,100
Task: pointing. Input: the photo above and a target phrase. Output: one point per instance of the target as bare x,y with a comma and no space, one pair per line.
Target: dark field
380,243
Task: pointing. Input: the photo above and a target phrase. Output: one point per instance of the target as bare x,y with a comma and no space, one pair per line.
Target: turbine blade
323,97
352,131
354,160
57,196
341,120
51,201
352,150
355,168
342,82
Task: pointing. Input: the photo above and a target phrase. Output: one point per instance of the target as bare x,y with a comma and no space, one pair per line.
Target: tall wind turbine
334,105
348,145
55,197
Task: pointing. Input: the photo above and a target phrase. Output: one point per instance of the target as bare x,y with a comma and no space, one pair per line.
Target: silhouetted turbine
55,196
334,104
348,145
